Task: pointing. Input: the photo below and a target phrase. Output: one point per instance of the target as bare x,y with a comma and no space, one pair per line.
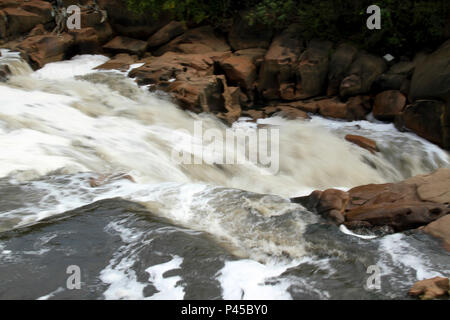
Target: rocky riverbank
243,70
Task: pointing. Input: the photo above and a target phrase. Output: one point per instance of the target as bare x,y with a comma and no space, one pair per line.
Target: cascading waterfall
66,123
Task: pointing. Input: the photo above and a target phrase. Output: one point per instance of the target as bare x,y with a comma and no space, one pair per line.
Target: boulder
428,119
388,104
431,79
291,113
199,94
340,62
313,69
255,54
396,205
279,69
430,288
440,229
363,72
332,107
126,45
239,70
244,36
121,62
198,40
43,49
18,20
363,142
358,107
165,34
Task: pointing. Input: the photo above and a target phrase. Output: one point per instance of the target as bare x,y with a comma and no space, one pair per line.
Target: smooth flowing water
208,231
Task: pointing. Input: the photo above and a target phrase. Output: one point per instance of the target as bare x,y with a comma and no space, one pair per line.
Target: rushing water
184,231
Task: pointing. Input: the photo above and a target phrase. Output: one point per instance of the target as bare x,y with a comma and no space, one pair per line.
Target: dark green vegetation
407,25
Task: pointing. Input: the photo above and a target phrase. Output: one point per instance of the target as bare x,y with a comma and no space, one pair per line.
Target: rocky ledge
419,202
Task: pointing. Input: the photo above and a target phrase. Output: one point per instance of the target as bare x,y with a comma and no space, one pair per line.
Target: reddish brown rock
278,73
120,62
363,142
358,107
388,104
333,108
43,49
199,40
165,34
240,70
440,229
126,45
330,203
430,288
396,205
291,113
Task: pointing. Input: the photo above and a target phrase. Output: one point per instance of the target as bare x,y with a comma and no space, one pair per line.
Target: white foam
77,66
401,254
168,287
249,280
51,294
345,230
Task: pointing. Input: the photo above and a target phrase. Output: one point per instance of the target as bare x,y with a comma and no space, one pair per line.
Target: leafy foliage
406,25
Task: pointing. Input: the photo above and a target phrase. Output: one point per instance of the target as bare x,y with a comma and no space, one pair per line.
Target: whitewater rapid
67,122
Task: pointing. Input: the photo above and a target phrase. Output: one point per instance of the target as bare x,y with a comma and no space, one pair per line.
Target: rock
43,49
430,288
105,179
340,63
19,21
279,69
388,104
440,229
159,70
38,30
243,36
166,33
333,108
431,79
120,62
291,113
429,119
396,205
240,70
363,142
431,188
313,69
255,54
329,203
358,107
363,72
126,45
198,40
199,94
5,72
